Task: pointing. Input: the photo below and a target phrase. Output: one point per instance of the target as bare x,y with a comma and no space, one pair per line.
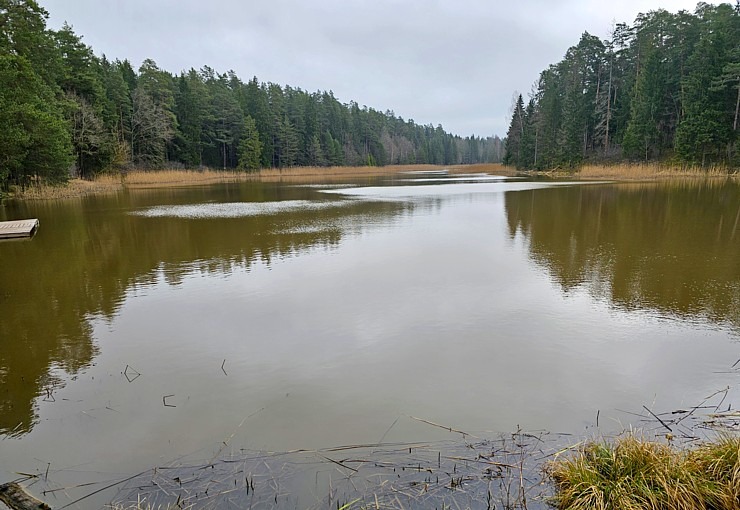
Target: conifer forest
69,112
664,89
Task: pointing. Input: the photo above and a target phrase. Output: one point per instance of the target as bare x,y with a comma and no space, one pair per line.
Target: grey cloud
439,62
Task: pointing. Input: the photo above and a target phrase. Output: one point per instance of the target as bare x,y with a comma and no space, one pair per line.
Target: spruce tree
250,147
514,134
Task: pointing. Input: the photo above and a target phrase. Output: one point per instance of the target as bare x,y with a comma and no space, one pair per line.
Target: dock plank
18,228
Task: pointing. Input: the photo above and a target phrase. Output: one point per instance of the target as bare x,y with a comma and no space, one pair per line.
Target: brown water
316,316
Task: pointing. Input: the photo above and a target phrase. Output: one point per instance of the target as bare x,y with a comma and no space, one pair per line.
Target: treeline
666,88
64,111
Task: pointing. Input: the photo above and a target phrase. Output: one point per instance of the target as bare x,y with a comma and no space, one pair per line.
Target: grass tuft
636,474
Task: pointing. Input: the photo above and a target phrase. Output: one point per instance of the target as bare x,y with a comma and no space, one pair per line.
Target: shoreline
520,469
142,179
637,172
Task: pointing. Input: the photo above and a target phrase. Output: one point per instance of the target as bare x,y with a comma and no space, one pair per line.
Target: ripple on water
238,209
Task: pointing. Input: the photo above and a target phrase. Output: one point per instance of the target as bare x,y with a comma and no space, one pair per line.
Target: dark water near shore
319,315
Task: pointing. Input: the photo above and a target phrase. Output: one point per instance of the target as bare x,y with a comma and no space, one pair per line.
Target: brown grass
344,171
636,474
164,178
72,189
645,171
135,179
140,179
489,168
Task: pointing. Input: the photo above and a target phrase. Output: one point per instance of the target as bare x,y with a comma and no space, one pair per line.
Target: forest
664,89
66,112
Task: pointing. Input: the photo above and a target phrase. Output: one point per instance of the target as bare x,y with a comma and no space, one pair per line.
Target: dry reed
140,179
344,171
73,188
640,171
164,178
489,168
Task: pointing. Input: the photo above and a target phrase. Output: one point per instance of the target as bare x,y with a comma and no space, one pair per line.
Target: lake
142,326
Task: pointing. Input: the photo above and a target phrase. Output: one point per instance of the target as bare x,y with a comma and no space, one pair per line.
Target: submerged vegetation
496,473
635,474
666,88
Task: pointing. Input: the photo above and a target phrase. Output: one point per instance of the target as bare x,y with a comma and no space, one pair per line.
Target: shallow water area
140,327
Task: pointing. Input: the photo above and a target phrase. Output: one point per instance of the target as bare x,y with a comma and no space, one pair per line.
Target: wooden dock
18,228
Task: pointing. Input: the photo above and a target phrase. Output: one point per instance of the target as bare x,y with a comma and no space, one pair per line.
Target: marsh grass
490,168
631,473
163,178
641,171
73,188
140,179
344,171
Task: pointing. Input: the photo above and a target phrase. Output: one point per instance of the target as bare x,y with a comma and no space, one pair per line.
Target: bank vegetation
42,189
632,473
665,89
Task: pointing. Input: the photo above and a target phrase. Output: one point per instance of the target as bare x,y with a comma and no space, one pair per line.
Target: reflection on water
670,247
90,252
328,316
237,209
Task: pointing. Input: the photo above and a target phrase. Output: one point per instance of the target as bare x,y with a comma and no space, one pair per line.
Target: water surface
145,325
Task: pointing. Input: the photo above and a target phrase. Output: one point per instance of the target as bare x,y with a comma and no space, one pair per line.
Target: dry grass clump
636,474
71,189
648,171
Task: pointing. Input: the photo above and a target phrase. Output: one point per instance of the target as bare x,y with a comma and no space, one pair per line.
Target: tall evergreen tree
665,88
515,134
250,147
35,140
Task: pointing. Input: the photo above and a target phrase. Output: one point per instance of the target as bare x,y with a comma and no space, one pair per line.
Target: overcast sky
454,62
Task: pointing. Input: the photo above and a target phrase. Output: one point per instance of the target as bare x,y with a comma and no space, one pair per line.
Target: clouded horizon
452,63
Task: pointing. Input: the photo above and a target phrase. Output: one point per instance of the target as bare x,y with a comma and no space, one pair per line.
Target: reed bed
136,179
643,171
489,168
74,188
139,179
344,171
164,178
